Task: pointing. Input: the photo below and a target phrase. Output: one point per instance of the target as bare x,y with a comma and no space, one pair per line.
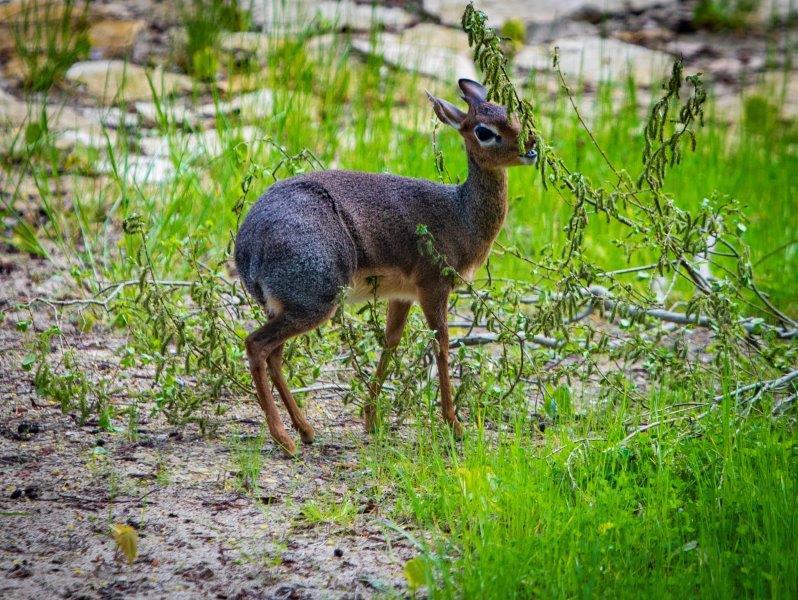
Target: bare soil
200,534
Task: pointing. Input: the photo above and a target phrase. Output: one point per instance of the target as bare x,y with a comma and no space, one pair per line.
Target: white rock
208,143
594,59
14,113
450,12
779,10
404,52
362,17
175,113
112,81
140,170
292,16
430,34
254,105
111,116
253,42
91,138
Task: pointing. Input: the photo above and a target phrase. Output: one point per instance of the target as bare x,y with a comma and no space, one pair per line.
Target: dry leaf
127,540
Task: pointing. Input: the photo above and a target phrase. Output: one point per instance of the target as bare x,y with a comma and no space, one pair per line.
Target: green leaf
414,571
33,132
28,361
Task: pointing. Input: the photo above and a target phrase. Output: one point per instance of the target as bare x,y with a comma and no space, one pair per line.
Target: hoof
307,436
288,446
457,430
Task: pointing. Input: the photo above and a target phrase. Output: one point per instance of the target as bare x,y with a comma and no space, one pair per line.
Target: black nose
532,153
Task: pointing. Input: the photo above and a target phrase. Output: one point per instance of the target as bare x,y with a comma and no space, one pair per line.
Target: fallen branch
599,297
478,339
759,387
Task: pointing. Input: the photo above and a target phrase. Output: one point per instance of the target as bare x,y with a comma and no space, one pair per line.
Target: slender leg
260,344
433,303
394,326
275,362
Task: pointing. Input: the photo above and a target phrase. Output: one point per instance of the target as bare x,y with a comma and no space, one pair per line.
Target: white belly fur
390,284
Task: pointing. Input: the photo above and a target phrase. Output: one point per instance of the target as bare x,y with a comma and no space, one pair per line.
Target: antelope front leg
394,326
434,306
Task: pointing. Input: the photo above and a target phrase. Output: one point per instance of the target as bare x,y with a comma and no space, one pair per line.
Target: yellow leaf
127,540
414,573
605,527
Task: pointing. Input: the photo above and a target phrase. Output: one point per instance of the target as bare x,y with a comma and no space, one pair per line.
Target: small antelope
312,235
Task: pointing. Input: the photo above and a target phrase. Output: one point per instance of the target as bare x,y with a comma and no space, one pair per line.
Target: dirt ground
62,485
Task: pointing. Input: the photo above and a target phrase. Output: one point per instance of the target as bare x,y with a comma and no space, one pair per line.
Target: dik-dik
310,236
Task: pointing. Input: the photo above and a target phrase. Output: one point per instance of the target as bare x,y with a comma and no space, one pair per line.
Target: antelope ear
473,92
447,112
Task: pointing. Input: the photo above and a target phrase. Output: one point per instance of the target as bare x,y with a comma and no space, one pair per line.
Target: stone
249,42
111,38
438,36
254,105
650,36
783,89
594,60
111,116
415,51
15,113
208,143
174,113
140,170
94,137
450,12
288,17
115,81
242,82
362,17
778,10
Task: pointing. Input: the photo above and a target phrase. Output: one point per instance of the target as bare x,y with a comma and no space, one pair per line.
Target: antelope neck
484,198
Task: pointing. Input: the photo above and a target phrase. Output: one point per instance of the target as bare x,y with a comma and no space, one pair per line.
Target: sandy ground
200,535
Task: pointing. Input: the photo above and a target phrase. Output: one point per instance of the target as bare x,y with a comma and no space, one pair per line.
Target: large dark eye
484,134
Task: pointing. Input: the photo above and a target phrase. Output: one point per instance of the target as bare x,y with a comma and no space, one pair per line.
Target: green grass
709,513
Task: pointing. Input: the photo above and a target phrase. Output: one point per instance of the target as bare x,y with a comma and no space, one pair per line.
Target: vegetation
48,38
724,14
615,457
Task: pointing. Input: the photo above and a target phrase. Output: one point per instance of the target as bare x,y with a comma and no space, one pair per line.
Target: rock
533,11
538,33
249,42
115,81
174,113
208,143
437,36
645,37
253,105
15,113
294,16
111,38
15,13
111,116
783,89
94,137
28,428
242,82
690,49
594,60
412,52
140,170
363,17
777,10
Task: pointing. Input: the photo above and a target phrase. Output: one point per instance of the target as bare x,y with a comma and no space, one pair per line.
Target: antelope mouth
530,158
